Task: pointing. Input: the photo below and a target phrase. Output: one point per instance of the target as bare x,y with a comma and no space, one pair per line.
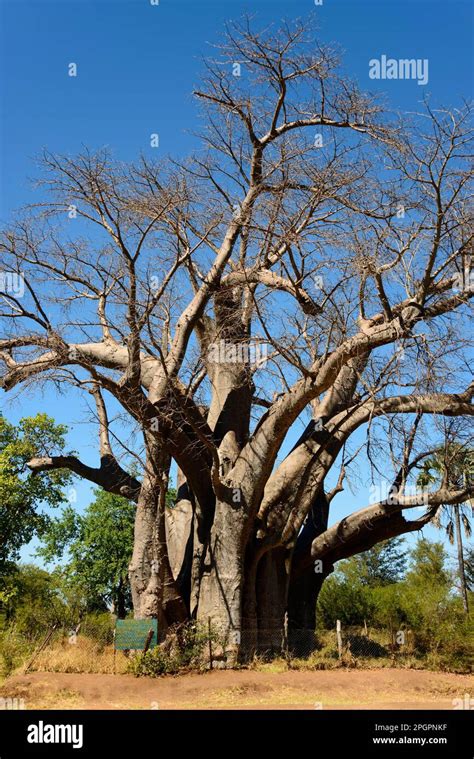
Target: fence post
286,644
148,640
339,637
44,643
115,652
210,642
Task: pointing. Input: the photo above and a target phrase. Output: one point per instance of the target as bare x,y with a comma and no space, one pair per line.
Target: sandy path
330,689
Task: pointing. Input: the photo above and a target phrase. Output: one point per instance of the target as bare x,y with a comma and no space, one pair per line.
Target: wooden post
286,646
210,642
148,640
339,637
44,643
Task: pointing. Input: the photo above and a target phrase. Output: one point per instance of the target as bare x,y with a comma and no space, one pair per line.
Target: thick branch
110,476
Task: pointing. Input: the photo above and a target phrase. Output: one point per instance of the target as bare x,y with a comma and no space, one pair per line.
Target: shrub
31,600
15,650
184,648
344,598
155,663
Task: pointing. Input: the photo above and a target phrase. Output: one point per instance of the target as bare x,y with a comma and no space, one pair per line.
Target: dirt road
244,689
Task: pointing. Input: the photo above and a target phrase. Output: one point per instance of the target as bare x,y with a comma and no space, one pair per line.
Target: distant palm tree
453,464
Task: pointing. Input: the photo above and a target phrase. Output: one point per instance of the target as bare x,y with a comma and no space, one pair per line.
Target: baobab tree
300,278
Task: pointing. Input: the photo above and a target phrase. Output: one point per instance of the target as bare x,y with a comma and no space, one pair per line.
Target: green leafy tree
32,601
22,493
390,606
432,611
171,497
347,594
469,568
453,465
384,564
97,547
420,600
428,564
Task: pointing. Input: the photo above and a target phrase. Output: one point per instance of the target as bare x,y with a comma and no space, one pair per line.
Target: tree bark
120,605
154,591
462,573
272,581
221,578
307,577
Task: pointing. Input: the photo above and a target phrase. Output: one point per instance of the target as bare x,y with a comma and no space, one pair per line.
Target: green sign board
132,634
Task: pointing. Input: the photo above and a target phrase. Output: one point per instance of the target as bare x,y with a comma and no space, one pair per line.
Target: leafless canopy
310,231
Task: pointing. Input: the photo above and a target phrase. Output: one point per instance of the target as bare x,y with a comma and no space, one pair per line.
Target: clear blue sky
137,65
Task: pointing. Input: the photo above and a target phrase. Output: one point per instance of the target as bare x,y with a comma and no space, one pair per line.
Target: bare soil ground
243,689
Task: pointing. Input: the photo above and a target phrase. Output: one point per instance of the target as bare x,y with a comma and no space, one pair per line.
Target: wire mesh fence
79,649
348,641
89,647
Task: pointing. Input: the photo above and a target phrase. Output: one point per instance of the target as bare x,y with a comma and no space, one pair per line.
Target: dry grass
89,655
86,655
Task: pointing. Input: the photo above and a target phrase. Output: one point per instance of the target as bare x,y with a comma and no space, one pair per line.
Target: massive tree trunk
154,590
145,597
272,581
221,531
307,577
179,523
221,579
